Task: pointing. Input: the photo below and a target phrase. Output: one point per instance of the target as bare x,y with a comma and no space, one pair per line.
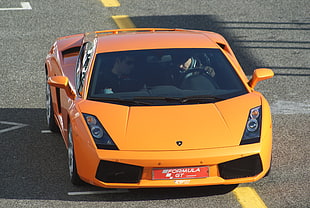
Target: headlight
252,130
99,134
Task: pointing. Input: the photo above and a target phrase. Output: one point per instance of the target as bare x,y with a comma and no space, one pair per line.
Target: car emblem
179,143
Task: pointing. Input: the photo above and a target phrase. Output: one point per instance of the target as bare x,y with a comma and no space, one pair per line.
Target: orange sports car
154,107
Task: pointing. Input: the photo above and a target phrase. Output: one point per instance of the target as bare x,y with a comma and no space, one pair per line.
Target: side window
82,65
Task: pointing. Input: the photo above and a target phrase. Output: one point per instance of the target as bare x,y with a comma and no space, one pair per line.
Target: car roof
151,38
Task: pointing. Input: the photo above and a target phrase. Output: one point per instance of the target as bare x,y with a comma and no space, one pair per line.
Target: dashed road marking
97,192
46,131
286,107
25,6
248,198
13,125
110,3
123,21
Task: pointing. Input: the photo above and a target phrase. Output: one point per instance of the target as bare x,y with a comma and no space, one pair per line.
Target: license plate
180,173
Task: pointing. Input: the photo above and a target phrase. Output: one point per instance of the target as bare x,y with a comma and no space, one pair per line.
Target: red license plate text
180,173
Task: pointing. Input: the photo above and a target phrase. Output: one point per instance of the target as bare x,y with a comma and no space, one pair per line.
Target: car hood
178,127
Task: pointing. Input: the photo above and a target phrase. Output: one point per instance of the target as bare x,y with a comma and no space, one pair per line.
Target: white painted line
97,192
25,6
290,107
46,131
13,124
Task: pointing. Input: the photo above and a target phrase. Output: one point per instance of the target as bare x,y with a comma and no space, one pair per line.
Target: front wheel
74,177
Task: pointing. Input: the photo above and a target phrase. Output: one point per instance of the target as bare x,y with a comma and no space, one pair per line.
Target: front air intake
113,172
241,168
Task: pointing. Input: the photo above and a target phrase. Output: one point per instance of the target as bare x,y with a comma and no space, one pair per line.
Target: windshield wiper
119,101
183,100
200,99
155,98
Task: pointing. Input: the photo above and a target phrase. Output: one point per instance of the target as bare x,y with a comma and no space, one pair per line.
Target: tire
50,111
74,177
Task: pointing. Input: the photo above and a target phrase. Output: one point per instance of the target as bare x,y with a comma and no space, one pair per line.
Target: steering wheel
195,71
199,73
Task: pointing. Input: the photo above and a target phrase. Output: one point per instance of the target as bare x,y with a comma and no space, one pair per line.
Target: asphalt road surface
33,164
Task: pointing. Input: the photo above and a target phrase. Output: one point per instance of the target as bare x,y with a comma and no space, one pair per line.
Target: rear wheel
49,110
74,177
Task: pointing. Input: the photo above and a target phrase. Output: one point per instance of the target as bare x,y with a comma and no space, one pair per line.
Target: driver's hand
210,71
186,65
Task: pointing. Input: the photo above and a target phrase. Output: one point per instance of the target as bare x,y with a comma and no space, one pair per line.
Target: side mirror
63,83
259,75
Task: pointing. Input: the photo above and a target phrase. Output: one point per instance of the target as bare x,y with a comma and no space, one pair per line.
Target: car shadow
150,193
238,35
34,166
200,22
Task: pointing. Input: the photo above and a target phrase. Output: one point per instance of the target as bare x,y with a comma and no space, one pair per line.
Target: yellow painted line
110,3
123,21
248,198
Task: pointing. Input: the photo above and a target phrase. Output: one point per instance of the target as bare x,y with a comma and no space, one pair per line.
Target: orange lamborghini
155,107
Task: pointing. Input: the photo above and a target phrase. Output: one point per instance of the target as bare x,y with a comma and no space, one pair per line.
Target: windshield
163,77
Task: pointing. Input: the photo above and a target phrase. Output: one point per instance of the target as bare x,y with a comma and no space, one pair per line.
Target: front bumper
133,169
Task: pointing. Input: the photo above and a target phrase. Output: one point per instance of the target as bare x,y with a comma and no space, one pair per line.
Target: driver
192,63
195,75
